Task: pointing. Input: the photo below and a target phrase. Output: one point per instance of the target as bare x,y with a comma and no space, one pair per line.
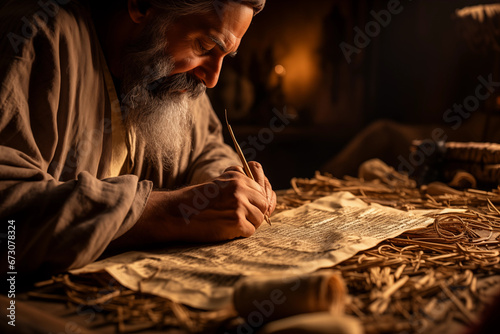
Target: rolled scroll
314,323
276,297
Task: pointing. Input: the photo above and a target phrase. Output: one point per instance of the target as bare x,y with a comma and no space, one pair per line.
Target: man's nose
209,71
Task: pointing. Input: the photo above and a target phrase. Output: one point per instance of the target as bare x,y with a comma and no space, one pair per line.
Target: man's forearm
227,207
158,223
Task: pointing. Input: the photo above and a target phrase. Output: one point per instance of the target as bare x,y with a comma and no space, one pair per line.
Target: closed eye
222,46
203,49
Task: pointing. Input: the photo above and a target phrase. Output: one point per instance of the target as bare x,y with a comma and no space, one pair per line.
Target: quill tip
268,220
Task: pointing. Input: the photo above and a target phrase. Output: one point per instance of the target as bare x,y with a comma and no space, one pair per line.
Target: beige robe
61,143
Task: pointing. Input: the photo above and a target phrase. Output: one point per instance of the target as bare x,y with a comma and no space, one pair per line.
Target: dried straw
410,283
423,277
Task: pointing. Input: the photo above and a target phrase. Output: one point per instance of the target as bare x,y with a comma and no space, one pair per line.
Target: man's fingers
271,197
258,174
252,184
272,203
256,199
267,189
244,208
254,215
260,193
238,169
247,218
238,190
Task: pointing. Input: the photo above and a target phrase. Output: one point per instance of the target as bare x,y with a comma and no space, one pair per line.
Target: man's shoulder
23,20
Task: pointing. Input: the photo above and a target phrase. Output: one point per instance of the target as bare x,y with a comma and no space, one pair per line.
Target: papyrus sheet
317,235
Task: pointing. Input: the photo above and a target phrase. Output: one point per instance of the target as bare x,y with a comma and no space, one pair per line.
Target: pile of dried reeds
101,300
405,284
425,277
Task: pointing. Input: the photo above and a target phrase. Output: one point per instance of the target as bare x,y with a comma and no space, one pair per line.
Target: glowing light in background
280,70
299,84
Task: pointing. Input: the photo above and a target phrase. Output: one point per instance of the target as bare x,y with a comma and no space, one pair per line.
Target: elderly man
100,103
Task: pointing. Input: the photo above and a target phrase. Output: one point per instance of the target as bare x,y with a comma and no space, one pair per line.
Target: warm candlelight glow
280,70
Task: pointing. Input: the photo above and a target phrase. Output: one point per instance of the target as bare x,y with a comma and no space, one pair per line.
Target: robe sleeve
211,155
62,221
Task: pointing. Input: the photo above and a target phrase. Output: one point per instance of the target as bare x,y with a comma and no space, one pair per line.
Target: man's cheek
183,65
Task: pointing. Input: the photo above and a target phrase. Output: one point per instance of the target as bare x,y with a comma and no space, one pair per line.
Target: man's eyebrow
222,46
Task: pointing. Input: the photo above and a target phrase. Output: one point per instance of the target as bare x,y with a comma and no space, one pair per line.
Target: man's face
171,63
198,44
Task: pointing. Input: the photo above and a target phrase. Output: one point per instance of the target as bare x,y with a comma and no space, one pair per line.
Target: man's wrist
157,224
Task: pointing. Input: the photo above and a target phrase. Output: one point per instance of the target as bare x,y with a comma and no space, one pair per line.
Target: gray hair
189,7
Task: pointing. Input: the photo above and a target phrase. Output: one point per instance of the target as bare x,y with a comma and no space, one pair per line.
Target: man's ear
138,10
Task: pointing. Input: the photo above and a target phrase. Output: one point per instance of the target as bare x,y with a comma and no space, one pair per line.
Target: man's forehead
224,28
232,23
236,17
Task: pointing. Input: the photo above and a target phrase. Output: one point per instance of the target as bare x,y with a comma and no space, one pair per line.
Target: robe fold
60,141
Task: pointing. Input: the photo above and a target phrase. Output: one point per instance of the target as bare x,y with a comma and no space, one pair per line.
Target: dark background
411,72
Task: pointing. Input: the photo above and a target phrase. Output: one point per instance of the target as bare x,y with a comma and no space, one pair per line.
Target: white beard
153,107
163,127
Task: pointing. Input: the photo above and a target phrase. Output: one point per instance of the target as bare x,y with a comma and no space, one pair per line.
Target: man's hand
228,207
